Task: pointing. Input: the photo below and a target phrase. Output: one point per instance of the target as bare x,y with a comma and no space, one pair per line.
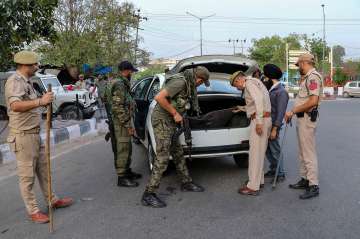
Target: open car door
144,93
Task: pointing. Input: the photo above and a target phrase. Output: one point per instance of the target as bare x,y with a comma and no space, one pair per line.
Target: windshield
53,81
218,86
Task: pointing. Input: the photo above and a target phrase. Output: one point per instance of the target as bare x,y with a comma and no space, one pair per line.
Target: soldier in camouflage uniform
120,105
176,97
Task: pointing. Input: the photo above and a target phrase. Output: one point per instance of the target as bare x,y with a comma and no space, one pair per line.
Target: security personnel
258,108
306,109
24,138
173,100
121,106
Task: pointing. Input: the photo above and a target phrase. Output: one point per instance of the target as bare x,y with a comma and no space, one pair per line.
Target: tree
23,21
339,77
315,46
273,49
338,54
97,32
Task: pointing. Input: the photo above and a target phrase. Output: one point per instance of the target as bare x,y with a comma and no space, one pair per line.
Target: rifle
111,134
183,128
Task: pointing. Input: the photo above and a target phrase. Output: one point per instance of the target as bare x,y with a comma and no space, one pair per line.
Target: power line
183,52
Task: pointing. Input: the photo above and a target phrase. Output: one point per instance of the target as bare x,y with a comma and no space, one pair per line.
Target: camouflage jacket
182,90
119,101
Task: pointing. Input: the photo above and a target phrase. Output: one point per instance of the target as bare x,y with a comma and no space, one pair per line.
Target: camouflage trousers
163,131
123,150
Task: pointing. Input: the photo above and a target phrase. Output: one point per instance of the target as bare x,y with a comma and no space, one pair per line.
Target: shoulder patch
313,85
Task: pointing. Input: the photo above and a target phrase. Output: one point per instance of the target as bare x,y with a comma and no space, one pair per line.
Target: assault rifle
184,127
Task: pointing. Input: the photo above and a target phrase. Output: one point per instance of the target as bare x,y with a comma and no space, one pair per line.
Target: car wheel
70,113
241,160
3,114
150,156
346,95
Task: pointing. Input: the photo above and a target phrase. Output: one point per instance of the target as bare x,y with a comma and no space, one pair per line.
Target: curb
61,135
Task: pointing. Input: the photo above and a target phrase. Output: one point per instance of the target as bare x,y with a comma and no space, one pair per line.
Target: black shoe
151,200
132,175
269,174
311,191
191,187
302,184
126,182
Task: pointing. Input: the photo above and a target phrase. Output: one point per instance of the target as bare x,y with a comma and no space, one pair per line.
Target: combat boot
151,200
191,187
302,184
311,191
132,175
126,182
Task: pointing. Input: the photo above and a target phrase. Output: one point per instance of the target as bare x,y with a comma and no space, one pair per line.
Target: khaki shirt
80,84
19,88
312,84
257,99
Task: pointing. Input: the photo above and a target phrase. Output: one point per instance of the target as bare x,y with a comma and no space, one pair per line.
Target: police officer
24,138
172,101
121,106
306,110
258,109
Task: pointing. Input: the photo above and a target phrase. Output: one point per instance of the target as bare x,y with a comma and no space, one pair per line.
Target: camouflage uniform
120,105
180,88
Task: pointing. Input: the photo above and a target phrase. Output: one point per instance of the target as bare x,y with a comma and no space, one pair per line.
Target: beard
268,84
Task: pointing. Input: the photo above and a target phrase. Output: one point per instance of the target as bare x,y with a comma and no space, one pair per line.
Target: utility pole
233,41
243,41
139,18
287,62
324,42
331,64
200,19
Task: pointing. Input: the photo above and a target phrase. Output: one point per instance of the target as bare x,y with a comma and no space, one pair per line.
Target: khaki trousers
31,162
307,149
258,146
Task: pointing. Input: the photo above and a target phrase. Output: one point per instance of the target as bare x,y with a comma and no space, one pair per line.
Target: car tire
89,115
346,95
3,114
241,160
70,113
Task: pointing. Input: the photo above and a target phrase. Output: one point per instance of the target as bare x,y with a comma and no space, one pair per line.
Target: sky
170,33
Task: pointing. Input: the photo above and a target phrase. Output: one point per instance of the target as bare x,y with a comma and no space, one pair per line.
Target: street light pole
233,41
324,43
200,19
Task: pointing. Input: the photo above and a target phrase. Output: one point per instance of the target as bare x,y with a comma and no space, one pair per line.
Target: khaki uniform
80,84
121,105
24,141
312,84
164,128
258,107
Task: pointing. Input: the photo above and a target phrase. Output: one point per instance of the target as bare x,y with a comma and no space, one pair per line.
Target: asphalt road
103,210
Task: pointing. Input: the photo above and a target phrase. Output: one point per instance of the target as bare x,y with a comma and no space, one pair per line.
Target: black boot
152,200
302,184
311,191
269,174
126,182
132,175
191,187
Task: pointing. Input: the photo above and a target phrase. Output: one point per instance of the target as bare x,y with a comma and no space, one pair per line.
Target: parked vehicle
232,139
65,101
351,89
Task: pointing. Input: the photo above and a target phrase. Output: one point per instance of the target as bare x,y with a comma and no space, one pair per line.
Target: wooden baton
47,152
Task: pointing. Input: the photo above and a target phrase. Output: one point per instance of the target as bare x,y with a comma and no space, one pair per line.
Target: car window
218,86
353,84
155,88
358,84
141,88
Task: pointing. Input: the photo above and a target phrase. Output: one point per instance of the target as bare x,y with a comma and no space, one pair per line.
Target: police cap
26,58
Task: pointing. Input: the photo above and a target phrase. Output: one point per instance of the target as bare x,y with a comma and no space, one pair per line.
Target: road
103,210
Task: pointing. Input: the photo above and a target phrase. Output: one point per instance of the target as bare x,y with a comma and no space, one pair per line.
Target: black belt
302,114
